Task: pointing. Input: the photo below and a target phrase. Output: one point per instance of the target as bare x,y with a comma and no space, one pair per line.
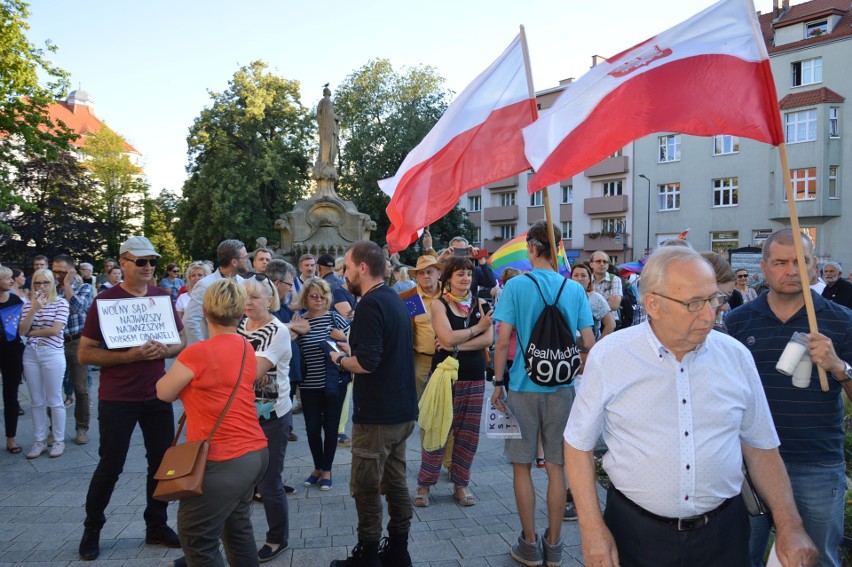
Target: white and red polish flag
708,75
477,141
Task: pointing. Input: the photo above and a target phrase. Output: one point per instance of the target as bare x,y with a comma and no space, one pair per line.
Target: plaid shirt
79,304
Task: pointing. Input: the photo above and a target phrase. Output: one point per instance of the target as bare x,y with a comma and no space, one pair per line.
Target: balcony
606,243
566,210
600,205
501,214
535,214
609,166
492,244
475,217
504,183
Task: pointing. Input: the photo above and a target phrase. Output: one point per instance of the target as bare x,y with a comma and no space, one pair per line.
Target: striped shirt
272,342
809,421
313,355
44,319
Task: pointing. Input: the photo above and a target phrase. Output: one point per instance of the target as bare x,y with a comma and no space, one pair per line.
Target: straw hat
424,262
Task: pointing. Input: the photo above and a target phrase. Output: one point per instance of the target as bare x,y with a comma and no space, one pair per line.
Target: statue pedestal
323,224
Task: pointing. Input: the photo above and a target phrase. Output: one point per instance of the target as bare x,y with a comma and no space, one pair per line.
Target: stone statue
329,137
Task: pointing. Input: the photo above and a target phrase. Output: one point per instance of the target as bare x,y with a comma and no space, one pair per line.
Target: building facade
729,192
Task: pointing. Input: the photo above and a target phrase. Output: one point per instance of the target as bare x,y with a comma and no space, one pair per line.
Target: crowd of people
695,343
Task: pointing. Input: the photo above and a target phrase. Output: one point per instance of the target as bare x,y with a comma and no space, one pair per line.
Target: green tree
26,132
160,217
384,114
57,214
119,201
248,161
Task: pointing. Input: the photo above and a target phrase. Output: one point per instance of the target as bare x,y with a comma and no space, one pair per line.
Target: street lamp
648,226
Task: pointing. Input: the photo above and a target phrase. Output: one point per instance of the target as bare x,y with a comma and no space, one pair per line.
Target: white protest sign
133,321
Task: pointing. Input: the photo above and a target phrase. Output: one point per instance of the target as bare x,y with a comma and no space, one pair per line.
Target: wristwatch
339,362
847,374
499,383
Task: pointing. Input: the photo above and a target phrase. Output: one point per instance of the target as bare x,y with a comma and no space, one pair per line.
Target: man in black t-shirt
385,408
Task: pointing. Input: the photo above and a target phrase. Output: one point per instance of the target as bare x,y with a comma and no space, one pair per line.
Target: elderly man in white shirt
678,424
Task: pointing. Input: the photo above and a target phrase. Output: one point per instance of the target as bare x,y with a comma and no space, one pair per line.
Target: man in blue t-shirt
809,421
539,409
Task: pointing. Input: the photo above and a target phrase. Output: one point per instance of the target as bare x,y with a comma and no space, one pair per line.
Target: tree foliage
119,200
248,161
26,132
160,218
384,114
57,216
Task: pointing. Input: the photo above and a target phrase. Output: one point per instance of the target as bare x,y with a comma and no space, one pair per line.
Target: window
567,194
507,231
617,154
807,72
833,188
834,122
669,148
612,188
478,233
816,29
567,230
613,225
724,144
669,197
474,203
726,192
801,126
536,199
507,199
804,183
722,241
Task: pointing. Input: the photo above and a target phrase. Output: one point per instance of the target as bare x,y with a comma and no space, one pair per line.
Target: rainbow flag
513,254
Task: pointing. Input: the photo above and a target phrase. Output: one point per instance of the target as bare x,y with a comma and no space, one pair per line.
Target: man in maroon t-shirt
127,395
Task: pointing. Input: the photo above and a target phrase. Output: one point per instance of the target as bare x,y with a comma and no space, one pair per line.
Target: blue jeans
322,416
271,486
819,490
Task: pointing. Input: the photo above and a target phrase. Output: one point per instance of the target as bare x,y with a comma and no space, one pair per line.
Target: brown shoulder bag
181,472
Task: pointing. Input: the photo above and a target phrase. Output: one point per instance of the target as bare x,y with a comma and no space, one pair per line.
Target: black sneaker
570,513
363,555
288,490
90,544
163,535
265,553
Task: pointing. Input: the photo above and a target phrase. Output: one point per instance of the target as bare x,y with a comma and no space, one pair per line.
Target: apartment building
729,192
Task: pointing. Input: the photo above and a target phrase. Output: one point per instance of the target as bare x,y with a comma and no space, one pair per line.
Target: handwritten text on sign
132,322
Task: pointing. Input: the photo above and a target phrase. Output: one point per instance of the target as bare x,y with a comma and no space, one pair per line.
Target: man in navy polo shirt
809,421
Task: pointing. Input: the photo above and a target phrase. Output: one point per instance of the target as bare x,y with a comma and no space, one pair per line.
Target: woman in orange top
203,377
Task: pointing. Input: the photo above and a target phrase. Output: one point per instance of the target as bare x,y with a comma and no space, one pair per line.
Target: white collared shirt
673,428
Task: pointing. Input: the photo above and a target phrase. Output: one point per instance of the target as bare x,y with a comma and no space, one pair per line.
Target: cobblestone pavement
41,509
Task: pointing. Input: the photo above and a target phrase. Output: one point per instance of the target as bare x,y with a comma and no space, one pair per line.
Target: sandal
14,450
463,497
421,500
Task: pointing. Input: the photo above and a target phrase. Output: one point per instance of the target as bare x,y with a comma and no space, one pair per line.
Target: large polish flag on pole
477,141
708,75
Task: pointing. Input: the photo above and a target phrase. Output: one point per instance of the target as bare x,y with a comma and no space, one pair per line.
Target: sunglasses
142,262
263,277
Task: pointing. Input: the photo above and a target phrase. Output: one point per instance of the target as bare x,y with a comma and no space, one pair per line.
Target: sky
149,66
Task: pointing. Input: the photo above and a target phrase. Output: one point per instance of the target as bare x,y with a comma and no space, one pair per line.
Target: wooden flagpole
800,256
544,195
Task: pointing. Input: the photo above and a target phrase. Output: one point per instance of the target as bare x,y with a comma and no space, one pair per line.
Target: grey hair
278,269
655,269
833,263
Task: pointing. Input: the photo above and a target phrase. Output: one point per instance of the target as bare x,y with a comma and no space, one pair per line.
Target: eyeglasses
315,296
40,283
600,261
173,271
716,300
742,276
142,262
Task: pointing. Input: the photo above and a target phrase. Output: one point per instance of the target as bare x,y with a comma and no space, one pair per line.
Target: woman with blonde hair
195,272
11,361
42,324
270,339
204,376
321,387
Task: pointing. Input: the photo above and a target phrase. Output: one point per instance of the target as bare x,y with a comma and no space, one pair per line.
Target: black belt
72,338
422,353
682,524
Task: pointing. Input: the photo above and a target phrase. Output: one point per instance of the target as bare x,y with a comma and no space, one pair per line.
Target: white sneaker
57,449
50,438
39,448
